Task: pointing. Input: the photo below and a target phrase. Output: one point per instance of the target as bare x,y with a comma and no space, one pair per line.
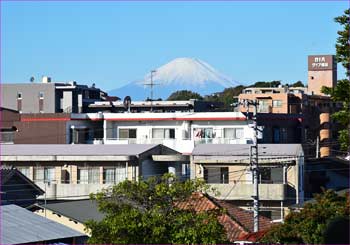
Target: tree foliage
298,84
311,223
261,84
341,93
146,212
343,44
184,95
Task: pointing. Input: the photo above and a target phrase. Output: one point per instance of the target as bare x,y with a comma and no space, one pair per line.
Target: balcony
69,191
180,145
243,191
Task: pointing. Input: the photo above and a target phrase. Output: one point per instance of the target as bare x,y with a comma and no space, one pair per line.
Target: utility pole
151,84
254,158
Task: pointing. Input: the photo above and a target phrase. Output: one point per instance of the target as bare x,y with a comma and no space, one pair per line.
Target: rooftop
19,225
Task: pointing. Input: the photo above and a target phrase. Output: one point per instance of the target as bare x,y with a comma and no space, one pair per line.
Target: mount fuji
179,74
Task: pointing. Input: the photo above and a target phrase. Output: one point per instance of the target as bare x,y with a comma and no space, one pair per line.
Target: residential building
49,97
180,131
322,71
74,171
326,173
17,188
20,226
227,168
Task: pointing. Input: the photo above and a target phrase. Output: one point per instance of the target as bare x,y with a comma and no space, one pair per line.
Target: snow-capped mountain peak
187,71
179,74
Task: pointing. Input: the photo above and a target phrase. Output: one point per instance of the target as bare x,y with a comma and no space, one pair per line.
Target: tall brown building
322,71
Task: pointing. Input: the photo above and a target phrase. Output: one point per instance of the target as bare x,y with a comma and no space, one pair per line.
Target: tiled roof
244,217
237,222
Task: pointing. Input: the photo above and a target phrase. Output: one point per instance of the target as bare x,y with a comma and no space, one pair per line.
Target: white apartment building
180,131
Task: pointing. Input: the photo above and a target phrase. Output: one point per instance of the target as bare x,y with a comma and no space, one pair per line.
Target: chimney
46,79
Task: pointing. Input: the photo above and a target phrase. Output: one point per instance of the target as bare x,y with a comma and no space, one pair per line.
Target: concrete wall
245,191
317,79
30,96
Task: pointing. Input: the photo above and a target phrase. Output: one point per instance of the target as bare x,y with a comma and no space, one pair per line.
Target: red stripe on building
40,119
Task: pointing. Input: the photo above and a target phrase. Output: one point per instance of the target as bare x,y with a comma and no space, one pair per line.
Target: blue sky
113,43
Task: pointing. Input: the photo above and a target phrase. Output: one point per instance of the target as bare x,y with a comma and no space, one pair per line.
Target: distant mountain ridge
179,74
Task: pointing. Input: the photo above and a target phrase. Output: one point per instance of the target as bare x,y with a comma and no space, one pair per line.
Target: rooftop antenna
151,84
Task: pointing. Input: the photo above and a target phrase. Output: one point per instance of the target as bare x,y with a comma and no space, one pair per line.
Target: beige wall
62,220
317,79
282,96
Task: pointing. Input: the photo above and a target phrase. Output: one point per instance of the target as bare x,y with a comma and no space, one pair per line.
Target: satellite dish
31,79
127,102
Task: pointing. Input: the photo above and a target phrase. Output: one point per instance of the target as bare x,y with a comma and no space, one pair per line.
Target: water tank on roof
46,79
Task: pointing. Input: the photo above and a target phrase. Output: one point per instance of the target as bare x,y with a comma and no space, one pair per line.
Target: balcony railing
240,191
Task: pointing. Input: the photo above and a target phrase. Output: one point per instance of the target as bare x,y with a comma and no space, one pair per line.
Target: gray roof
19,225
81,211
75,150
243,150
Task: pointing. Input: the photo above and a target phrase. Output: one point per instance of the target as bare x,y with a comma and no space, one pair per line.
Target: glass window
216,175
25,171
94,175
163,133
19,95
203,133
233,133
109,175
44,174
120,173
49,174
82,176
126,133
114,175
277,103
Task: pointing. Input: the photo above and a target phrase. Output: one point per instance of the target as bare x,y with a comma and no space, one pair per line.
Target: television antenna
151,84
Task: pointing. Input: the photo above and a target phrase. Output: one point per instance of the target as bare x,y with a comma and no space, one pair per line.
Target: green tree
341,93
298,84
146,212
311,223
184,95
343,44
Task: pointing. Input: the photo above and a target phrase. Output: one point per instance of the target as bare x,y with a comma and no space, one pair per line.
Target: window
233,133
203,133
163,133
271,175
41,102
114,175
89,175
19,95
216,175
44,174
126,133
277,103
25,171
